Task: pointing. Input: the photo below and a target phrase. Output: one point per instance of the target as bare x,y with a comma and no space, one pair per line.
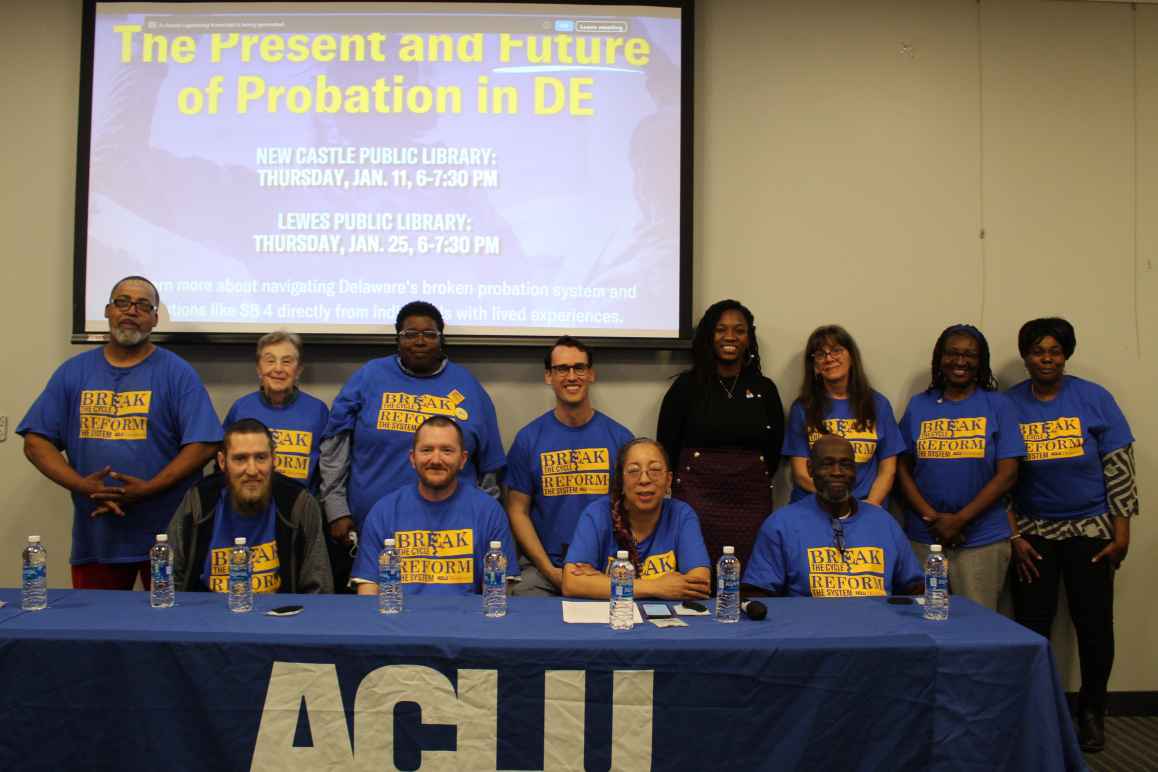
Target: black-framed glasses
562,370
836,352
429,335
838,536
124,304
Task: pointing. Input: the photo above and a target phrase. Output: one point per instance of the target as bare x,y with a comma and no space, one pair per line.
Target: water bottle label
390,575
729,584
493,578
34,573
935,583
161,572
621,591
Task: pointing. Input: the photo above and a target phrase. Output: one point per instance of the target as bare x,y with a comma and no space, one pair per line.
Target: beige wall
849,157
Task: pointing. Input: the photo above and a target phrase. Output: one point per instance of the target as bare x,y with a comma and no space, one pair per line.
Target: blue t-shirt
882,440
563,469
676,544
297,426
442,542
134,419
1065,440
796,553
260,534
383,407
955,448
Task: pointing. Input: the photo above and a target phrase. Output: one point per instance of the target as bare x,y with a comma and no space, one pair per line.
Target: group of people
1040,477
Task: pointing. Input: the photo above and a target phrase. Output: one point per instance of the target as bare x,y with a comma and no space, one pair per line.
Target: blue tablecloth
101,680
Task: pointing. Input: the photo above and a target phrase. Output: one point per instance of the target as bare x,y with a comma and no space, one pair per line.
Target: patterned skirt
730,492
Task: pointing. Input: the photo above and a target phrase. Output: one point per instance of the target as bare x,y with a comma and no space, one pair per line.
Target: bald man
829,545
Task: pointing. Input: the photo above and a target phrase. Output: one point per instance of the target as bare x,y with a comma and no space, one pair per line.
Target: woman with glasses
366,445
723,423
1073,503
661,535
296,418
963,445
836,398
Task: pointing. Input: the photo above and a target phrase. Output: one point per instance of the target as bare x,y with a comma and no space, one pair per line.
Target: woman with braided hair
661,535
962,447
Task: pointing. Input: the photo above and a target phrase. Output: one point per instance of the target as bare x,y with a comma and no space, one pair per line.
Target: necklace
729,391
1038,395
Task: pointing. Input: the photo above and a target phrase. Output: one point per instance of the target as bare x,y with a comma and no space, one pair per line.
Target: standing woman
723,423
296,418
836,398
962,449
1072,507
365,453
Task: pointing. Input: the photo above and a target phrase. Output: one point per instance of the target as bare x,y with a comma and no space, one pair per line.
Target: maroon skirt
730,492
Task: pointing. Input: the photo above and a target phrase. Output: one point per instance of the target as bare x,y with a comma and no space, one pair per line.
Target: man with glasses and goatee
829,545
558,464
126,429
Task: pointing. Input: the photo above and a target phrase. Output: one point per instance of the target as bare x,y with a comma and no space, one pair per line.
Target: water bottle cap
729,550
934,548
621,555
496,545
34,540
239,541
387,542
162,538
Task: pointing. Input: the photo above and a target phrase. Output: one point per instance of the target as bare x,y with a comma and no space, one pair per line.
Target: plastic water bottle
389,579
622,592
240,578
495,581
161,573
34,595
728,587
936,585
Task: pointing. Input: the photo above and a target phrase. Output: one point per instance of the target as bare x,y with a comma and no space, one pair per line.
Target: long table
99,680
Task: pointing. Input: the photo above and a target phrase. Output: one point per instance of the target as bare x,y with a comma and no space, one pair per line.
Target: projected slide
317,165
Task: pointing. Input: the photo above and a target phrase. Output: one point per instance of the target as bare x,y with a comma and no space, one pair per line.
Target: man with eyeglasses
126,429
366,444
829,545
558,464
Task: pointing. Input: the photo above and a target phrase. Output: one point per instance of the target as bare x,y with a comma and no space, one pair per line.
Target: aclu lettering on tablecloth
473,710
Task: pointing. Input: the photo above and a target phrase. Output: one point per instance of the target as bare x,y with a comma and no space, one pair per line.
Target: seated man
829,545
559,464
441,528
280,520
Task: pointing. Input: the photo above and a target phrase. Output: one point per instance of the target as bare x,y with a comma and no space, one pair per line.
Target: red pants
110,576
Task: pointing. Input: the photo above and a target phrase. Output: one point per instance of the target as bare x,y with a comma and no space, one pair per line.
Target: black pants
1090,596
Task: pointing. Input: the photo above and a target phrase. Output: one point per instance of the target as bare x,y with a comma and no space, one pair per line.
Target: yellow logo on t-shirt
436,557
858,571
653,565
111,415
1059,438
265,566
575,471
402,412
864,441
952,438
292,454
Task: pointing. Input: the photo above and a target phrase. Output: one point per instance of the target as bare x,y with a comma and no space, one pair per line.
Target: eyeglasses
654,473
836,352
124,304
838,536
562,370
430,335
271,361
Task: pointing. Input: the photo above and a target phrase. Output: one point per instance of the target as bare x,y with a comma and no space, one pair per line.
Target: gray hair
279,336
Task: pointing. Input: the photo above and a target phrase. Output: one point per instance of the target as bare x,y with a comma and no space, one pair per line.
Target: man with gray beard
126,429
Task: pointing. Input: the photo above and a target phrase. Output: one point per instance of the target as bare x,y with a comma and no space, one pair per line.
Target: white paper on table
592,612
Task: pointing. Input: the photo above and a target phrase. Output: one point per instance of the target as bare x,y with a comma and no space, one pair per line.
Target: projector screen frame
81,336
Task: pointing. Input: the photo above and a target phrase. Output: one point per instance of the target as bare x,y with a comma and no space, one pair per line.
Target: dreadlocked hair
703,350
620,526
985,378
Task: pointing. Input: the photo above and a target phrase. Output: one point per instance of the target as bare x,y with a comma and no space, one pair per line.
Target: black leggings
1090,596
